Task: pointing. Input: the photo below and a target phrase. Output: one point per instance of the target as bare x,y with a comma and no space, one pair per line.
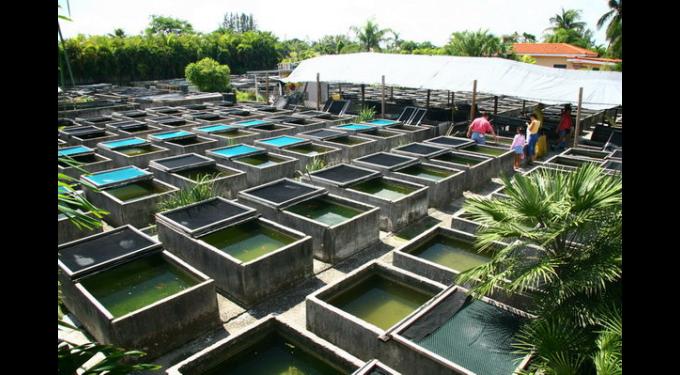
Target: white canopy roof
494,76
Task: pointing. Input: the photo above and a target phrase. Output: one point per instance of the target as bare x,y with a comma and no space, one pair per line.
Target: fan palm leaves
81,212
613,31
568,20
370,35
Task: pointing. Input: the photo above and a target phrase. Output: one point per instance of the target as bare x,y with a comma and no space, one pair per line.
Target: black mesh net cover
101,249
282,191
205,213
322,133
384,159
448,141
420,149
182,161
343,173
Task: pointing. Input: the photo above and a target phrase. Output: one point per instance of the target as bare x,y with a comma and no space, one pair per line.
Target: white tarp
455,73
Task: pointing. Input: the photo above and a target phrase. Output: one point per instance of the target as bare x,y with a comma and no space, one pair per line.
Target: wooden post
427,101
340,89
474,100
524,105
318,92
363,94
578,116
383,97
495,105
391,92
257,89
266,82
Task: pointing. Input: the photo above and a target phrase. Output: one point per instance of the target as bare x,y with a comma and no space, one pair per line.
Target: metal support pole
524,105
578,116
383,97
392,92
363,94
495,105
427,101
340,89
266,82
257,89
318,93
474,100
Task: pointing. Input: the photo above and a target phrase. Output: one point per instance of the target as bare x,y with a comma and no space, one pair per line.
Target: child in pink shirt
518,146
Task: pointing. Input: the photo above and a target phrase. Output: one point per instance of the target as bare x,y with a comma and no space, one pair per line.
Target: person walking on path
532,130
479,127
517,146
564,128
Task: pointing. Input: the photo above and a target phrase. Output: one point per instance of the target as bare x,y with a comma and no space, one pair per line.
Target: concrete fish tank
329,118
310,152
187,170
183,142
352,146
445,184
260,166
227,135
504,158
132,151
462,221
422,151
586,153
358,312
174,122
401,203
126,291
207,117
132,128
483,331
241,114
339,227
129,194
249,257
478,169
440,254
265,127
375,367
386,139
72,159
413,133
450,142
570,162
87,135
269,347
301,124
274,144
133,114
166,110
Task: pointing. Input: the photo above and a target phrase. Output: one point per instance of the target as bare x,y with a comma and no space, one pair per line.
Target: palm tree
614,27
477,43
562,232
568,20
370,36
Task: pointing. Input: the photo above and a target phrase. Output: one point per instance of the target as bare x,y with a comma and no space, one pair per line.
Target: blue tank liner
117,176
217,128
382,122
124,143
237,150
75,150
171,135
283,141
355,127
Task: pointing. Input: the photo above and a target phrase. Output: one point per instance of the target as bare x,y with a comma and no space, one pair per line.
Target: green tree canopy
208,75
567,27
168,25
613,31
238,22
477,43
370,36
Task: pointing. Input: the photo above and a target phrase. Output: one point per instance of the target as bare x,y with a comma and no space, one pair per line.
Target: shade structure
495,76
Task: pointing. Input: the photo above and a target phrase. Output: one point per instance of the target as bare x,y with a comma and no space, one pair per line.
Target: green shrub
208,75
366,114
204,189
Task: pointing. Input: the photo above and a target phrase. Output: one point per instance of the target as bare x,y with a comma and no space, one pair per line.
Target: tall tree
239,22
567,27
613,32
118,33
168,25
331,44
567,19
370,35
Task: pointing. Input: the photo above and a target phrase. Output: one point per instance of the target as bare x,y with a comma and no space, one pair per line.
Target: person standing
564,128
532,130
479,127
517,146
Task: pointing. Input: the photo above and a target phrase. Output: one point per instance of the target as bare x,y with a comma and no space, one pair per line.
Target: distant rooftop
557,49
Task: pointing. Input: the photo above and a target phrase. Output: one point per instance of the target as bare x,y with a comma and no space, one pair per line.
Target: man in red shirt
479,127
564,128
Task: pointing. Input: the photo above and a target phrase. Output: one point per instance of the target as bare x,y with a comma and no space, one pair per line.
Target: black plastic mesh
323,133
478,336
236,112
195,106
418,116
448,141
337,106
419,148
319,114
342,173
101,249
133,126
82,130
281,191
172,121
406,114
205,213
133,113
385,159
289,119
182,161
209,116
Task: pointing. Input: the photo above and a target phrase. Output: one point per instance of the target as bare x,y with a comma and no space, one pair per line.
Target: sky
422,20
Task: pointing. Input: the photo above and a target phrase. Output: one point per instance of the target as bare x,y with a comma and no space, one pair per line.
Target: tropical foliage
81,212
563,249
168,25
208,75
567,27
366,114
238,22
613,30
477,43
370,36
204,189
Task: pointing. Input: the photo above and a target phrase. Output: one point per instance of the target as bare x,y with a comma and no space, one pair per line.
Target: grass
204,189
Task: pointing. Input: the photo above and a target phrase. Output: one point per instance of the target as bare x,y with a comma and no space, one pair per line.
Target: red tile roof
598,59
550,49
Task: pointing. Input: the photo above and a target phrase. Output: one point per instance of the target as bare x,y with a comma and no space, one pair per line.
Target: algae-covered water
449,252
138,150
484,150
196,174
260,160
248,241
276,356
383,189
380,301
324,211
425,172
136,284
135,190
458,159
